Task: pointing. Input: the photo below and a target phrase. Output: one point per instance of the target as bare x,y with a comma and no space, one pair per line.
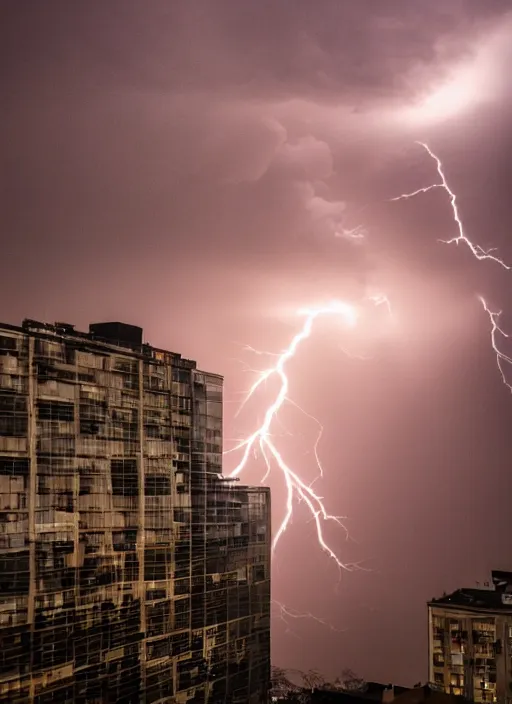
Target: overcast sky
197,167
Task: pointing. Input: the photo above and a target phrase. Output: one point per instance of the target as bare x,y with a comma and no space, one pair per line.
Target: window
55,410
258,573
8,343
125,481
456,680
181,375
155,564
13,427
14,466
12,405
157,485
158,649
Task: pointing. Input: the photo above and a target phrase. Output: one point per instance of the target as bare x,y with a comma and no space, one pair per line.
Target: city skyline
199,171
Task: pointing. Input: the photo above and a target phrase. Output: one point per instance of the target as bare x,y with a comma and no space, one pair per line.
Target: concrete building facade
470,642
130,570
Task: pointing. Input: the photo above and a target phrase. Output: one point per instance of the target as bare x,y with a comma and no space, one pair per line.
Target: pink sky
192,168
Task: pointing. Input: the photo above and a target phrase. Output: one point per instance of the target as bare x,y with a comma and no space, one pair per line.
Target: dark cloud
263,48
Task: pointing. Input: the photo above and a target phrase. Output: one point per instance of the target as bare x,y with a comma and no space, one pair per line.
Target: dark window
93,410
181,515
259,573
10,404
159,684
125,480
14,467
154,594
159,649
181,375
88,427
13,427
70,353
124,540
13,415
55,410
131,567
155,564
158,618
180,643
157,485
14,573
161,432
8,343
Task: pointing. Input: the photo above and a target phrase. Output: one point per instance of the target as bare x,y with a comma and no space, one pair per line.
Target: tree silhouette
351,682
281,685
313,680
283,688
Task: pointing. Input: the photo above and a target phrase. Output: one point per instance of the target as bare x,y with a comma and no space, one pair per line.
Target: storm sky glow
204,170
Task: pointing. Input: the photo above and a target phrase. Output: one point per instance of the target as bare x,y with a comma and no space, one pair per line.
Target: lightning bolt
262,439
496,330
477,251
284,613
412,194
380,299
296,488
356,233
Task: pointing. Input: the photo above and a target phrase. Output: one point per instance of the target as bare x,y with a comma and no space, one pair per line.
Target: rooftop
403,695
477,599
426,693
375,690
497,599
102,336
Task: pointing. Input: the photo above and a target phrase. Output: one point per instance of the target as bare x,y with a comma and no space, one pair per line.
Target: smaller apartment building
470,642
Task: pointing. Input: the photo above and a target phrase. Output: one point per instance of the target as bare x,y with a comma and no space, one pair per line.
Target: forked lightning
297,489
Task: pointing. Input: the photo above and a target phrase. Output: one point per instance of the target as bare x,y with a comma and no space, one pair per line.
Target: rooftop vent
117,333
65,328
502,581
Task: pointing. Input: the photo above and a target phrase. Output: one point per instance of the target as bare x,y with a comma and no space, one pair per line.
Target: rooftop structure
130,570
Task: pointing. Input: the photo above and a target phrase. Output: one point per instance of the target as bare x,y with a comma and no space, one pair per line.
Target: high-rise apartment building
470,642
130,570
